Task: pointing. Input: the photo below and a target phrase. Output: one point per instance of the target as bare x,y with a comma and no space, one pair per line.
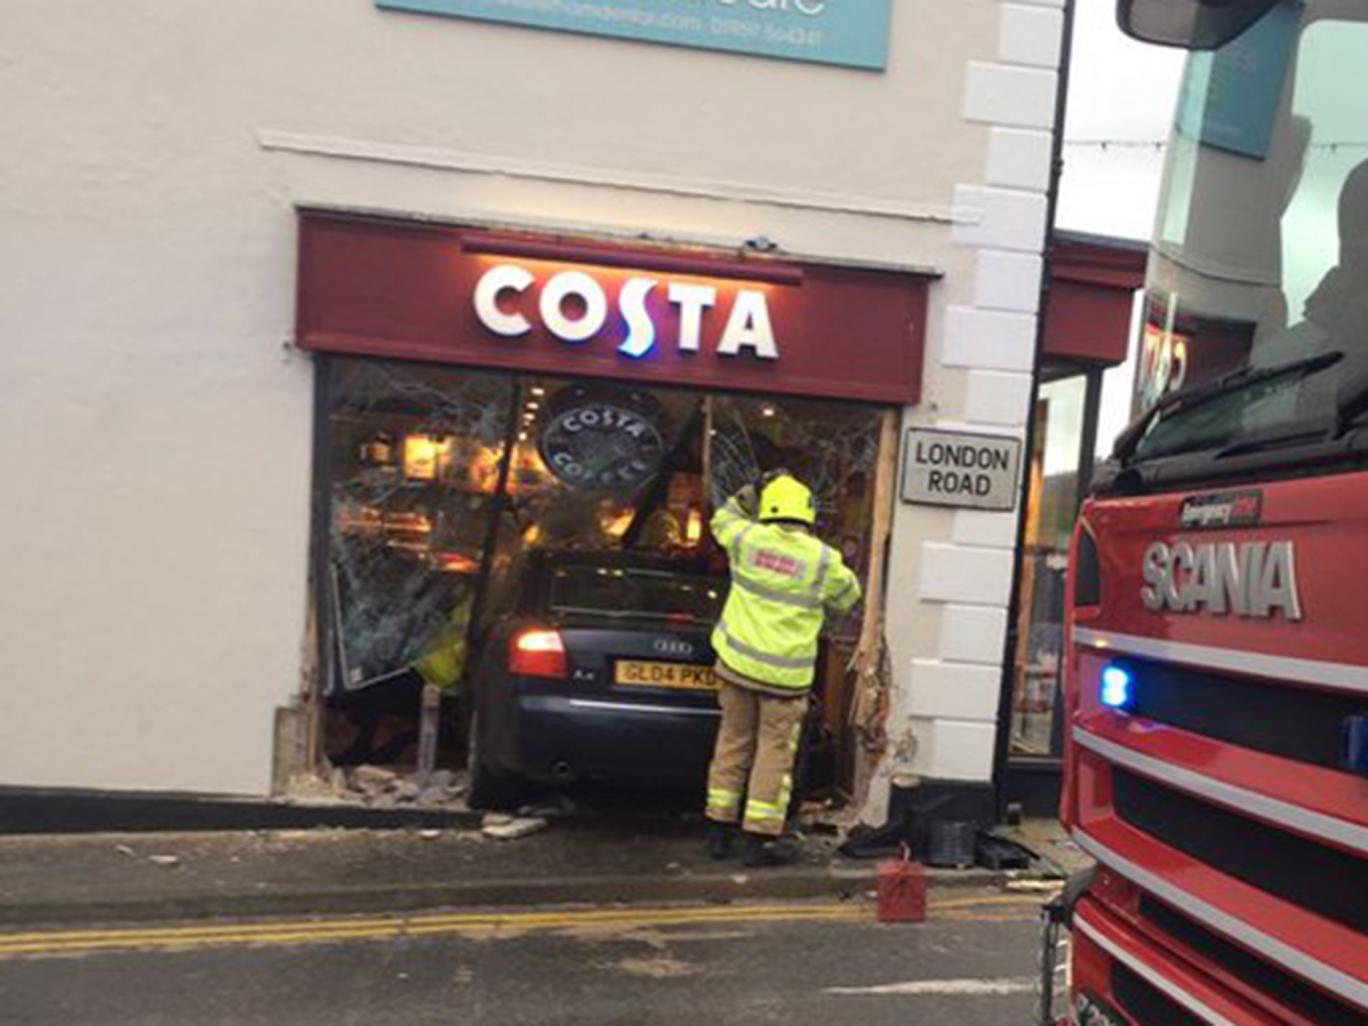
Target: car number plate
665,675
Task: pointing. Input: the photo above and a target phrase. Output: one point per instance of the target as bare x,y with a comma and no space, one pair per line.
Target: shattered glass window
613,458
414,459
598,467
833,448
443,481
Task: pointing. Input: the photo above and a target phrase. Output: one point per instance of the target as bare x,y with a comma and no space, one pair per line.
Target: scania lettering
1215,656
1250,579
748,328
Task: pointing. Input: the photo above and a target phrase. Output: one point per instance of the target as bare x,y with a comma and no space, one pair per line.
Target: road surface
796,964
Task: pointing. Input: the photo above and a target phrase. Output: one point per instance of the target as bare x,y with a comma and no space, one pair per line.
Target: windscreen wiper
1236,381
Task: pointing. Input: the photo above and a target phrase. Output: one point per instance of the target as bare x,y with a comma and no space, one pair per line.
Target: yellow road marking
395,927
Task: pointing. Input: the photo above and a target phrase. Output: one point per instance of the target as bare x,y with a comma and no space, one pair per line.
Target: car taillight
537,653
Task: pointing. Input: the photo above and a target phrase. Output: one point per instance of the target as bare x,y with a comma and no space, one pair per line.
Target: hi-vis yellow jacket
782,580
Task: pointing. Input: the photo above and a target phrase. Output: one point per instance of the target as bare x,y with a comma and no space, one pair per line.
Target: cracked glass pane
415,453
422,500
831,447
599,466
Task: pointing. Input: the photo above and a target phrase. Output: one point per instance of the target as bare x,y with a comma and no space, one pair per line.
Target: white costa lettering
494,283
692,300
589,292
1252,579
748,327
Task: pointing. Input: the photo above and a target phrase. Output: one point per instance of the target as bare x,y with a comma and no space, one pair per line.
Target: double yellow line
316,931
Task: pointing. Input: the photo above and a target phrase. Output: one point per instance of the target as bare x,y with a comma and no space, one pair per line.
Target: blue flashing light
1117,688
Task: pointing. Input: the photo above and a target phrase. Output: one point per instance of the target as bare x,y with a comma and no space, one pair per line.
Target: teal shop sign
848,32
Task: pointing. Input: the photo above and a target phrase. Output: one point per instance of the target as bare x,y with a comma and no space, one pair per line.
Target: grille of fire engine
1296,870
1262,978
1145,1003
1274,718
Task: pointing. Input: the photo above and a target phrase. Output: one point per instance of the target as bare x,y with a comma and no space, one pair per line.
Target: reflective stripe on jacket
782,580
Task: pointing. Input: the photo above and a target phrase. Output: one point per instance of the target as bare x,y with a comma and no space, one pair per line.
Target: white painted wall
155,430
948,616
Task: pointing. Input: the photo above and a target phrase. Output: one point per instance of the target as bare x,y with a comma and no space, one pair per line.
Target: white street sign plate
951,468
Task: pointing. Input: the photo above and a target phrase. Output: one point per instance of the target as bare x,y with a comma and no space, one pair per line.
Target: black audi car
603,670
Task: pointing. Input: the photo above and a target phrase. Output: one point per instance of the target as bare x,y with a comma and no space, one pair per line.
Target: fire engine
1216,678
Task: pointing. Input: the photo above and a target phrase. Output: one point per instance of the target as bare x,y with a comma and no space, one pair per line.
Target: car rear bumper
557,737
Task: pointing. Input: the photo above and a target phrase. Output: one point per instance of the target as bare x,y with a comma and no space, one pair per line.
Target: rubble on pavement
504,827
380,787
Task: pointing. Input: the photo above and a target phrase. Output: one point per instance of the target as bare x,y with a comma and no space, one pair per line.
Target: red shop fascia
529,302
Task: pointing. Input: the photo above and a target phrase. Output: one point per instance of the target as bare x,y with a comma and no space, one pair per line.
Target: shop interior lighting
768,411
456,563
425,456
538,391
693,531
1116,688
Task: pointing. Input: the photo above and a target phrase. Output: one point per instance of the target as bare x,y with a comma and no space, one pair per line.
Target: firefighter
783,578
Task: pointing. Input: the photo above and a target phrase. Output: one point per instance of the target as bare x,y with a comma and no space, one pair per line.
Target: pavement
49,879
796,963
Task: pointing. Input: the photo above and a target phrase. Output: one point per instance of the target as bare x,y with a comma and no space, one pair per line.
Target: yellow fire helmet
787,498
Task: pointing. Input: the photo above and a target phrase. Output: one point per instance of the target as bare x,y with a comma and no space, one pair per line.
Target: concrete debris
373,779
124,849
442,778
510,828
165,861
378,787
429,835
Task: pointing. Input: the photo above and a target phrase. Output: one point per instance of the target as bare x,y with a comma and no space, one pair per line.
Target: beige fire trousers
753,757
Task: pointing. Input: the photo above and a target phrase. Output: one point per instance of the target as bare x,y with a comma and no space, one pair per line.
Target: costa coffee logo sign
574,306
608,441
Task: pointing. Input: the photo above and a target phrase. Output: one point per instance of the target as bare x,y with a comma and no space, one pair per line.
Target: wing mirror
1190,24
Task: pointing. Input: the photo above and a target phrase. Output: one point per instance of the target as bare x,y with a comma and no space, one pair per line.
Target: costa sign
644,315
602,440
748,326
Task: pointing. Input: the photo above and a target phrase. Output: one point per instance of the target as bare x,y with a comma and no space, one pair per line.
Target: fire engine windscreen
1257,292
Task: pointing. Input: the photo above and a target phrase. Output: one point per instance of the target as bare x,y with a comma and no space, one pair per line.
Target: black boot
719,841
769,851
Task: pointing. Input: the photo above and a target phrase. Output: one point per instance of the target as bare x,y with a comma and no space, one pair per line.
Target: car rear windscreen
635,593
